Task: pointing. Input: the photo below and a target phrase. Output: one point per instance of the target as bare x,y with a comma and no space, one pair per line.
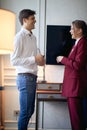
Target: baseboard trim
12,125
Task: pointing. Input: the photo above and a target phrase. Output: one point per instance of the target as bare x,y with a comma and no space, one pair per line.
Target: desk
47,92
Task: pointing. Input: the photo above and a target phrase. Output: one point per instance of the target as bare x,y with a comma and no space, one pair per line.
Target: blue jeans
27,89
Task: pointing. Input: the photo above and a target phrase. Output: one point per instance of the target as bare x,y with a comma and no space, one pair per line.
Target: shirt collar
26,31
77,40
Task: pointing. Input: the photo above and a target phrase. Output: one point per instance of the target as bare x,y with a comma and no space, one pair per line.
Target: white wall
65,11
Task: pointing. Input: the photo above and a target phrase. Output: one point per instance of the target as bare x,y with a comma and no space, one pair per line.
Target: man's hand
40,60
59,58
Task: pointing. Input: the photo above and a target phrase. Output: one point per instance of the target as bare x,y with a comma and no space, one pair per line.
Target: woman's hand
59,58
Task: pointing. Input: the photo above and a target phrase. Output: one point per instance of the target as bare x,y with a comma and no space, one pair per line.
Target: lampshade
7,31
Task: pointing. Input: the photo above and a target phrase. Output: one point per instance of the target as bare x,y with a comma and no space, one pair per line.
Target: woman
75,75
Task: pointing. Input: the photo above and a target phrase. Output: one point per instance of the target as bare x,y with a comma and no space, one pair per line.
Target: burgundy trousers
75,106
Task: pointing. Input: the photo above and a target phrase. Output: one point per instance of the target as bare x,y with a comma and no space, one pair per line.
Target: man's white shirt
25,49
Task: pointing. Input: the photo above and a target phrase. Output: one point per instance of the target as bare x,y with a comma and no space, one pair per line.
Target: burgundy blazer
75,75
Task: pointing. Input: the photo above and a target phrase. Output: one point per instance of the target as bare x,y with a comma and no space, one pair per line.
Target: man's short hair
25,13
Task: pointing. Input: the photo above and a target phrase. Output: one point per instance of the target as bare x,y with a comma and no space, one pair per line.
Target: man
26,58
75,76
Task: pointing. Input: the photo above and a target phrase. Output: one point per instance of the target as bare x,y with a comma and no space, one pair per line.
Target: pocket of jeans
26,83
